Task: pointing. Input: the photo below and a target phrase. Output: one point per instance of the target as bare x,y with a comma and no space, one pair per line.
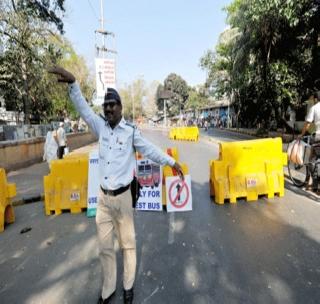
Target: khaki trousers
115,215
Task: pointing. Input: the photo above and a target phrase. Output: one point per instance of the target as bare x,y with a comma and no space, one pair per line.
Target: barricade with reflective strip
7,192
65,188
247,169
184,133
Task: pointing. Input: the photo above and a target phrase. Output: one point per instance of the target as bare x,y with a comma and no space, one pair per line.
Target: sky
152,38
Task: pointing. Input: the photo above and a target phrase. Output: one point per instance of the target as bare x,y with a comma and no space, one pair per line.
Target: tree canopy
175,91
267,58
31,39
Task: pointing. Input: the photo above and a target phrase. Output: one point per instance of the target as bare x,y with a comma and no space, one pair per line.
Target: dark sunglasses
110,104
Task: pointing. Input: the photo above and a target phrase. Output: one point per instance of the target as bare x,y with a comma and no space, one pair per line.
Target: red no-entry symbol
177,190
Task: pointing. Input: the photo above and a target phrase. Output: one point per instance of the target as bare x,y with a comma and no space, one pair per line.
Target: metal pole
102,25
132,108
228,114
165,112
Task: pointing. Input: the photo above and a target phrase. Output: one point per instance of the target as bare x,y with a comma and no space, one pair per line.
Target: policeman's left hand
179,170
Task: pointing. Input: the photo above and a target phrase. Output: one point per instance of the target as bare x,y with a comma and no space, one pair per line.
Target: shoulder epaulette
101,116
131,125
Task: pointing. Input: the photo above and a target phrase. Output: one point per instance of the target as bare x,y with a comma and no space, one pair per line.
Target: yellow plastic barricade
184,133
192,133
65,188
7,191
173,152
172,133
82,155
247,169
180,133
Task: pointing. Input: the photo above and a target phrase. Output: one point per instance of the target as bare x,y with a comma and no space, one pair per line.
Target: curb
28,200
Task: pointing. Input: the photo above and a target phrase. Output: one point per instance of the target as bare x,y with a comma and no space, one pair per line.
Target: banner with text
105,77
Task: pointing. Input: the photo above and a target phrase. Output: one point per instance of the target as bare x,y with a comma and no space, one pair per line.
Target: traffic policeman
118,141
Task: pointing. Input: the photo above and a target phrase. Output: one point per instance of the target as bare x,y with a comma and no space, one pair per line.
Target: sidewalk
29,180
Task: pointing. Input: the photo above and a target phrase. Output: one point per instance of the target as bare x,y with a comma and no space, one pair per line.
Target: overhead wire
93,10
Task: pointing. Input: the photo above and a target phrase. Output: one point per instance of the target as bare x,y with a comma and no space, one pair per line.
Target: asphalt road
259,252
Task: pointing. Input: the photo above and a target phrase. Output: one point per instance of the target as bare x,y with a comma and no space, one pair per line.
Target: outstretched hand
63,75
179,170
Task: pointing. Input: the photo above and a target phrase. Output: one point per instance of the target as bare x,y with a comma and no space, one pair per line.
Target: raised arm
92,119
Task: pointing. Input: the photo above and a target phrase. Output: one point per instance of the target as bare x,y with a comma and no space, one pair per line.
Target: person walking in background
118,141
61,140
50,147
206,125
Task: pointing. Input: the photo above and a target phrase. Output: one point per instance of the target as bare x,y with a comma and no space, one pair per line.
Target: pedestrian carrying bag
135,186
299,152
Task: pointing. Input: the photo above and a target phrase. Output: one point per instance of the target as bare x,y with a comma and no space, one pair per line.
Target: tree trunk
315,72
25,96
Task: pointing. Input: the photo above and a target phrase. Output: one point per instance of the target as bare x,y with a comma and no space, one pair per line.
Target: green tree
149,103
176,93
197,98
272,60
60,105
132,96
25,28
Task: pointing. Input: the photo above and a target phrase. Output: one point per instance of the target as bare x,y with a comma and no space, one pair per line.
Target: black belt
115,192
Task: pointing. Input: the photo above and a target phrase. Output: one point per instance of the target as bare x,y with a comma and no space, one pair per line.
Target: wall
22,153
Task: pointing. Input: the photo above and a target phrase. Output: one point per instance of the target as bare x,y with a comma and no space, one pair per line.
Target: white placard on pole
105,77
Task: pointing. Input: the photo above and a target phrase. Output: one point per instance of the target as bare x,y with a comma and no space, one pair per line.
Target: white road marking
171,229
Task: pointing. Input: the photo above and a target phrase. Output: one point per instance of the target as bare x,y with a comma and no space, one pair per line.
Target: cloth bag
299,152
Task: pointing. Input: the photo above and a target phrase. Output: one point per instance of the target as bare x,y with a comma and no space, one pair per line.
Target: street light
132,108
165,112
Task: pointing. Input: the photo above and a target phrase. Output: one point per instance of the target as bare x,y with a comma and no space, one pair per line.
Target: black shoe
128,296
107,300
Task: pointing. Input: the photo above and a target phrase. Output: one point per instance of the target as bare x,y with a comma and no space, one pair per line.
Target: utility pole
165,112
103,49
102,22
132,106
105,65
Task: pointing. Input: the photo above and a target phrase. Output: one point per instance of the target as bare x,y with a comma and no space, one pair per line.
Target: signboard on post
93,183
105,77
179,196
149,176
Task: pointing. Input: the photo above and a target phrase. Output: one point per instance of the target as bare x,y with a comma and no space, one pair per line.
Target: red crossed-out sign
177,190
